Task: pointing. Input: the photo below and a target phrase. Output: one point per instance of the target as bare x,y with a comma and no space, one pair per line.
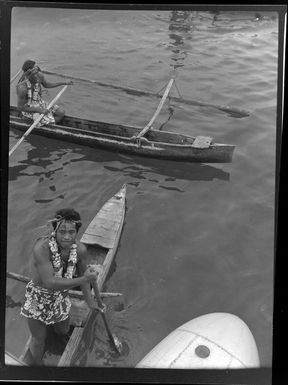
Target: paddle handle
72,293
37,121
15,76
164,97
97,294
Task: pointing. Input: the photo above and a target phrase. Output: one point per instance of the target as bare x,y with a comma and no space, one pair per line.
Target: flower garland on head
56,257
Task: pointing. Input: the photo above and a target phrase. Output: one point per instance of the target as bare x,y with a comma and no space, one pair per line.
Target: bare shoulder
82,257
41,249
81,248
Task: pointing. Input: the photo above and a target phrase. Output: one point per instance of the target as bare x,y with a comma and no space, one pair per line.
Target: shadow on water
42,154
139,168
46,152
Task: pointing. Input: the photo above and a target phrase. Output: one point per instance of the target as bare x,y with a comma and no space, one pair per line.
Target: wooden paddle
72,293
115,341
37,121
15,76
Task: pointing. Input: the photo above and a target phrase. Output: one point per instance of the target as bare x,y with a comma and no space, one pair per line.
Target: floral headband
59,219
30,70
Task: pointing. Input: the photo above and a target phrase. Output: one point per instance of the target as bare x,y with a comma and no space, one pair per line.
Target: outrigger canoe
101,239
131,139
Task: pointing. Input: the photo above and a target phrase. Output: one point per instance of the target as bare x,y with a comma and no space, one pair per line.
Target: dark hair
68,215
28,64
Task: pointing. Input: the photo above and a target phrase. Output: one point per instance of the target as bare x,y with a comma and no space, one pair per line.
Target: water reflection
43,161
143,168
180,24
42,158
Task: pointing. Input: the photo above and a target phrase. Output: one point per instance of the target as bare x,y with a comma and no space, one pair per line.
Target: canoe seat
202,142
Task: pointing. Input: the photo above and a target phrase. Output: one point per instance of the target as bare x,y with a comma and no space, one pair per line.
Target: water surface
198,238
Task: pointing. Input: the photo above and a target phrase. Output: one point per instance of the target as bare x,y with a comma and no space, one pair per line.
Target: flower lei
57,261
36,96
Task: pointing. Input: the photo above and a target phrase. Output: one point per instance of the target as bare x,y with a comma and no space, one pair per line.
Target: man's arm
81,267
86,287
46,272
47,84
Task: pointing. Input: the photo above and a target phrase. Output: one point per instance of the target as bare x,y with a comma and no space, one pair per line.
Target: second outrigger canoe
122,138
101,239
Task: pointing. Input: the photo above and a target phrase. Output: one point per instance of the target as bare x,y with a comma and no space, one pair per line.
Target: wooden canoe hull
155,144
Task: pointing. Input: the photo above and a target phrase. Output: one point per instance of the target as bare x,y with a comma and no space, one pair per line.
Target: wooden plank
106,216
74,340
99,232
103,228
103,224
202,142
102,241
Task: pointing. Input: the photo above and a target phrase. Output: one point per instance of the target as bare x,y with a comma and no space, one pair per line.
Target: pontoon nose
216,340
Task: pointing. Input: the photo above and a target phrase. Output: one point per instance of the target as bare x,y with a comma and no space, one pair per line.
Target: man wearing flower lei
29,93
56,260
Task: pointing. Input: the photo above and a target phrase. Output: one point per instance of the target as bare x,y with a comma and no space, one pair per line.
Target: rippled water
198,238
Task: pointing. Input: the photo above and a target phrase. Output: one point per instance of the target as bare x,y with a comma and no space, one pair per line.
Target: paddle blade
117,344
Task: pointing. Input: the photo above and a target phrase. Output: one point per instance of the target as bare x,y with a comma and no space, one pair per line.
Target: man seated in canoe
29,93
56,260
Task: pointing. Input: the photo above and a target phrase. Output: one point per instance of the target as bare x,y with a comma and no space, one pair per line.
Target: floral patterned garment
48,306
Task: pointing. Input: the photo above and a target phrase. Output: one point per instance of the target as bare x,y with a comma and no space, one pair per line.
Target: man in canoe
29,93
56,260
